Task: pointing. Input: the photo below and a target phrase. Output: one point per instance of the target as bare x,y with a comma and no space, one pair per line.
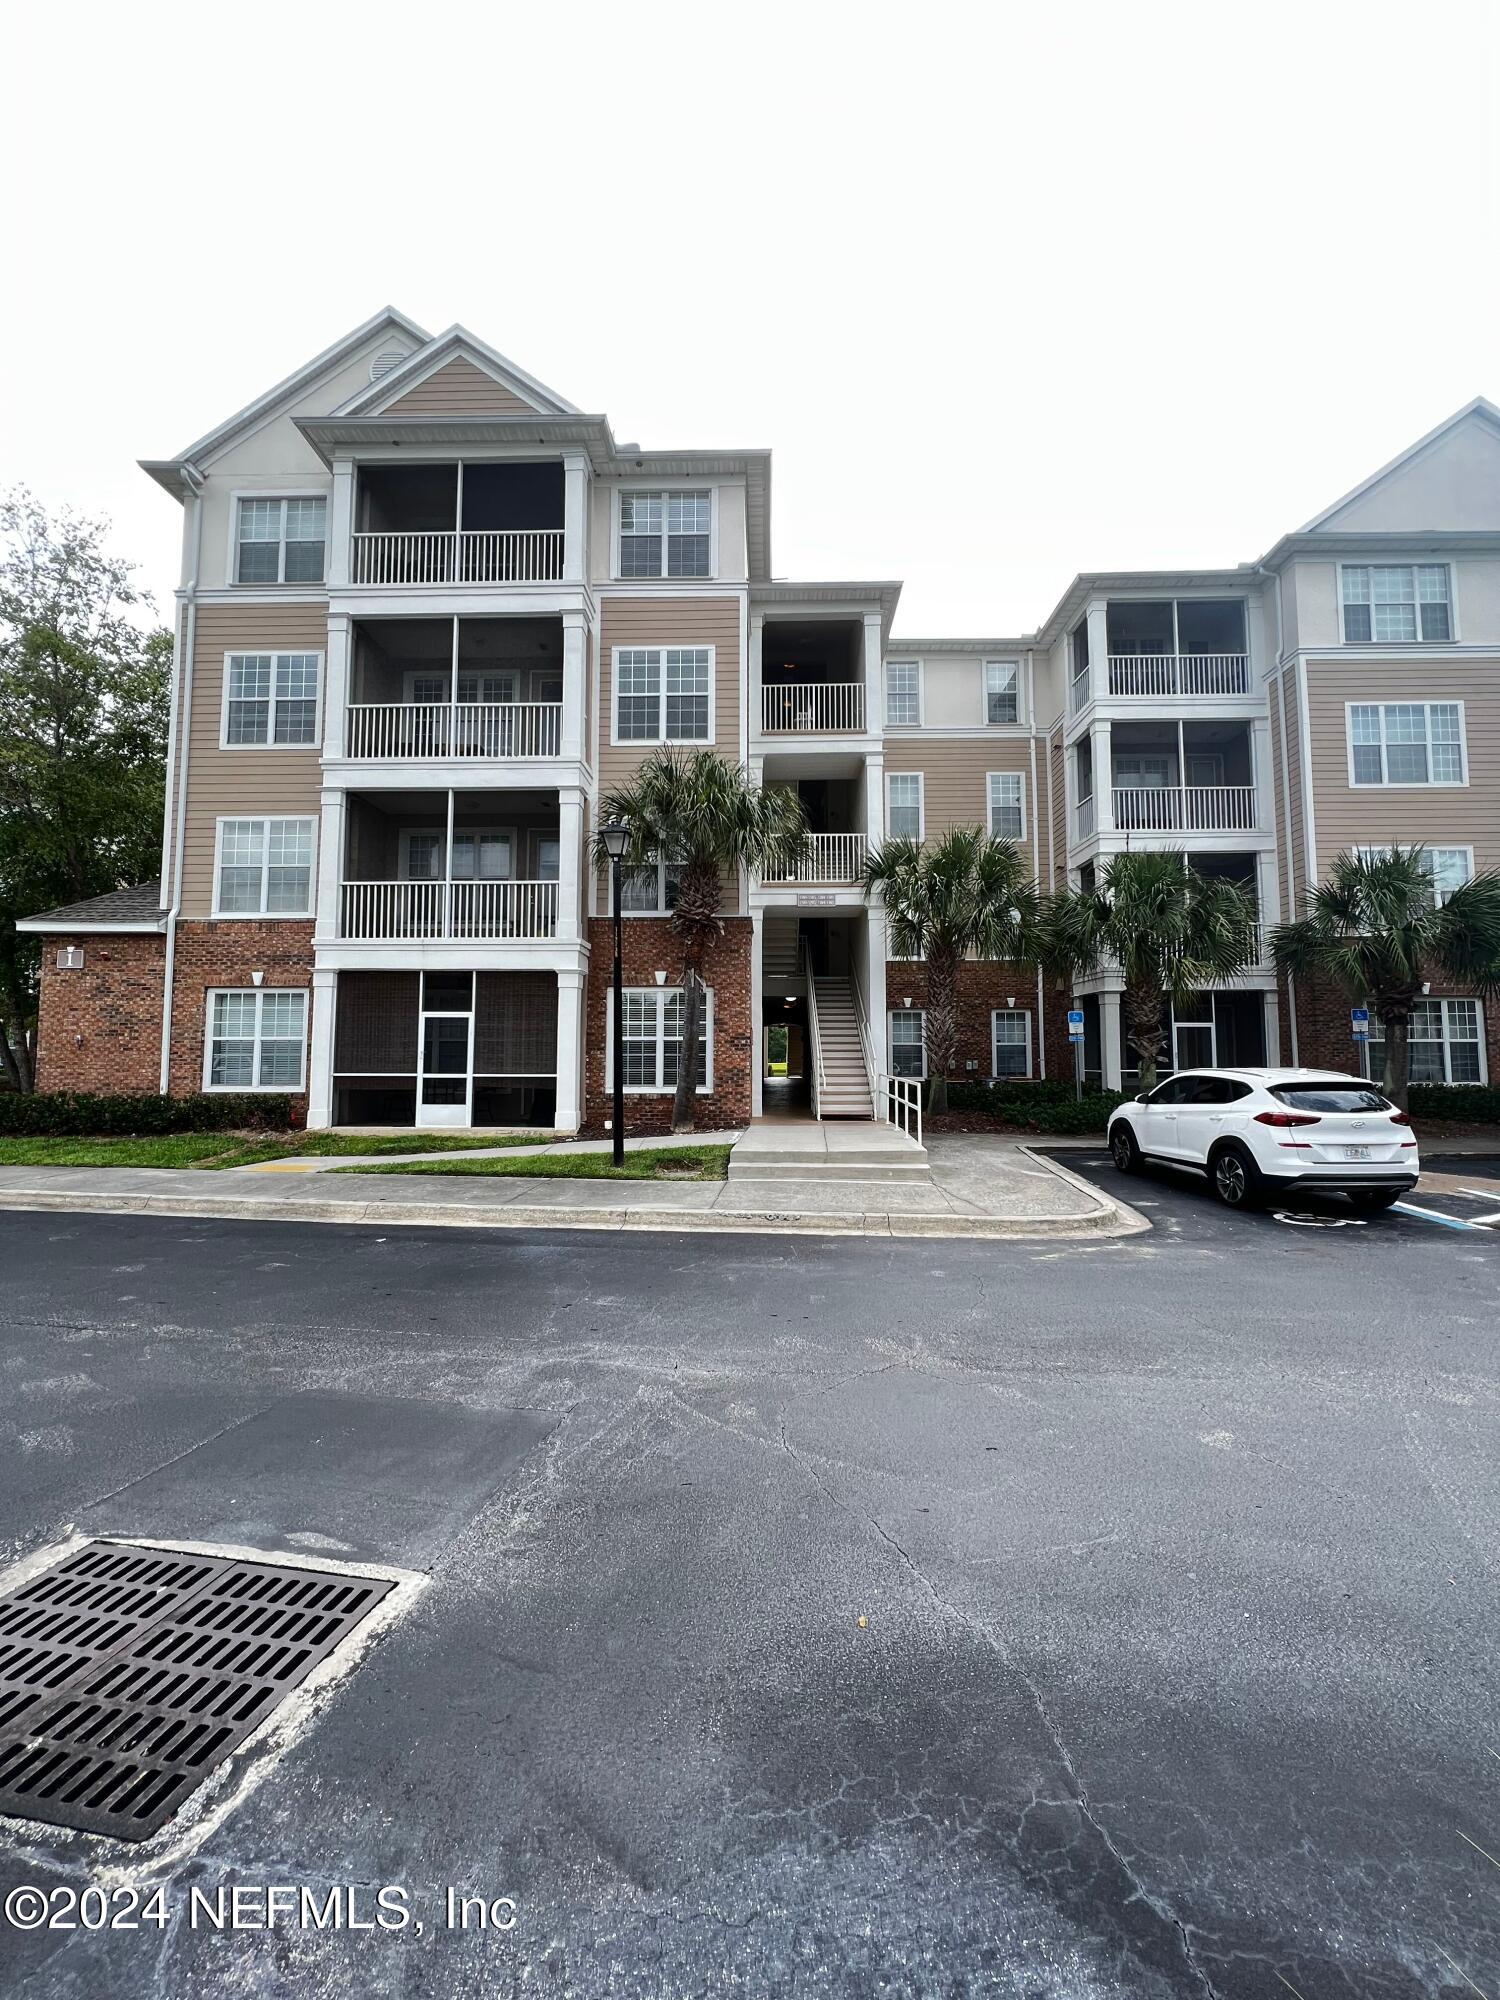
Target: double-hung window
908,1042
903,805
1397,603
1002,691
1010,1042
270,698
1406,743
1007,814
662,694
652,1021
281,541
650,889
1449,867
666,534
1446,1042
256,1040
903,693
264,868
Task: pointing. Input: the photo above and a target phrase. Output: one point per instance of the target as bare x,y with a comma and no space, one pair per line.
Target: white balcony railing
830,708
1155,675
1085,817
830,858
397,729
478,555
392,910
1190,809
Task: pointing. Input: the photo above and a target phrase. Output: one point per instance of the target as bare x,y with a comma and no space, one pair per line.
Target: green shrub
1464,1103
1048,1105
68,1114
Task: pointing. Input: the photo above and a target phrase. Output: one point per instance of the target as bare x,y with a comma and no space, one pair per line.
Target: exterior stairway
845,1089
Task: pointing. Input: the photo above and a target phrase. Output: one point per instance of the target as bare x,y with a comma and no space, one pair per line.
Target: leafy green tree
967,895
84,691
1172,932
1375,929
700,811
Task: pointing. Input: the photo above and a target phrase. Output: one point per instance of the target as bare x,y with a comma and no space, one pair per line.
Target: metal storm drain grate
128,1673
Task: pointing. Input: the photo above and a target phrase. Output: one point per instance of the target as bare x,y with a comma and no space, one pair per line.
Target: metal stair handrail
818,1078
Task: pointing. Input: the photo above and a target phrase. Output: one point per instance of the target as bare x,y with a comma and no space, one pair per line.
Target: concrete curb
1107,1218
1132,1222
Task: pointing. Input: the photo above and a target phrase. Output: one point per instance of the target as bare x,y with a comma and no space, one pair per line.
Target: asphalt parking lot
808,1618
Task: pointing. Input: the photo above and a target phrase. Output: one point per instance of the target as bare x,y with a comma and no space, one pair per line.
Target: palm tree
1375,928
967,896
699,810
1172,932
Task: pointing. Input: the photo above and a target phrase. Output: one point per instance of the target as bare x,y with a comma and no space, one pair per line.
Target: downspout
1036,853
1286,799
193,480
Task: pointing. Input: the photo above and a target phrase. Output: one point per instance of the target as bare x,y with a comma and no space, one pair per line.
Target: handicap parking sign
1359,1021
1075,1024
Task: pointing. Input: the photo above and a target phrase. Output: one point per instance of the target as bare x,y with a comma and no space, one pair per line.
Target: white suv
1258,1132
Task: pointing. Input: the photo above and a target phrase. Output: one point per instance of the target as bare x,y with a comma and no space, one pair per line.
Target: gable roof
168,472
1479,416
457,341
137,909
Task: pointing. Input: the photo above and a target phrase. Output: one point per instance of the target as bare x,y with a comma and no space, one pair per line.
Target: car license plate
1356,1152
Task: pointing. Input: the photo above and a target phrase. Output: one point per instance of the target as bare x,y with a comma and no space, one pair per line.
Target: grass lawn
651,1163
213,1150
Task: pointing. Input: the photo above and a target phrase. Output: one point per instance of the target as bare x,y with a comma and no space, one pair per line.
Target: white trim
1444,1002
143,927
908,1013
989,805
258,994
886,722
1305,760
664,488
659,993
1022,705
1374,850
1479,407
663,647
263,915
662,908
1404,646
921,778
237,496
436,351
1009,1014
1408,784
285,653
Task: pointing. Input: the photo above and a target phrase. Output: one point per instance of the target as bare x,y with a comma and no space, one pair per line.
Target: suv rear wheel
1236,1178
1123,1150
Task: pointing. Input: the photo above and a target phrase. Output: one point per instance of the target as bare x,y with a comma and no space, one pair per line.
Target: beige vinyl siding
226,783
1283,859
1446,816
459,389
955,773
1058,783
1297,860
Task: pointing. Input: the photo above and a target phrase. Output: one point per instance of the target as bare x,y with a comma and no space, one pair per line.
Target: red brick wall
225,954
99,1029
649,945
1323,1036
982,988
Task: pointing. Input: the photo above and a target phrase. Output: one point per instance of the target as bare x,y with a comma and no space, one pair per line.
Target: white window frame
660,995
258,994
1386,784
507,834
916,667
911,1014
273,654
1017,778
646,742
984,694
1377,1041
921,803
283,494
662,907
263,915
678,487
1008,1014
1366,852
1413,565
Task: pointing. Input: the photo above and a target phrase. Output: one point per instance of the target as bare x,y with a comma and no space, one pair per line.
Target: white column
575,508
336,670
330,864
874,694
753,697
1111,1047
1098,623
569,863
569,1115
341,523
874,801
1261,774
1104,781
875,984
320,1052
573,661
1273,1028
757,1010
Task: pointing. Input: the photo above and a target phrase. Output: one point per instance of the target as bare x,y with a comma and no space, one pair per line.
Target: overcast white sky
1011,292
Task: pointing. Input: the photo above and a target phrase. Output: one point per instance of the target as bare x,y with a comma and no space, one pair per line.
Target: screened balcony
425,865
1191,647
1185,777
812,678
455,687
834,809
467,523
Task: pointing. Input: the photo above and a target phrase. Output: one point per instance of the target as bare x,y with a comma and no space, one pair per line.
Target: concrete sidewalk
980,1186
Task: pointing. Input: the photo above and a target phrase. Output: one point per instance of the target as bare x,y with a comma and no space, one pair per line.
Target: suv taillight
1287,1118
1399,1118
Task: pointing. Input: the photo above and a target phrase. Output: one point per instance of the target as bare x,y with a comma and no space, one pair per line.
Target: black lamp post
616,838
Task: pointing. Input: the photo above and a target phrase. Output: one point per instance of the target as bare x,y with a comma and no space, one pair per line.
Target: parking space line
1432,1215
